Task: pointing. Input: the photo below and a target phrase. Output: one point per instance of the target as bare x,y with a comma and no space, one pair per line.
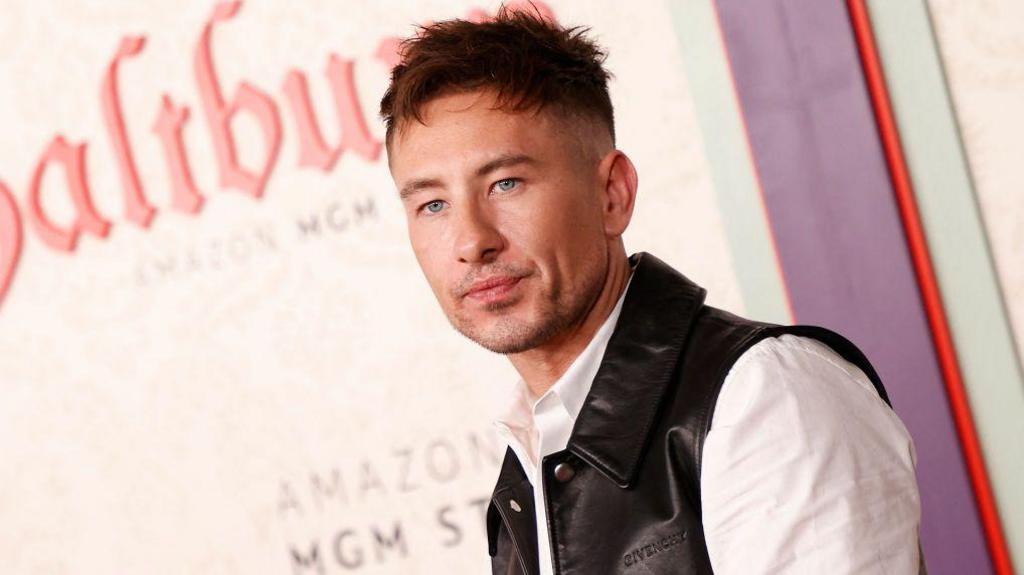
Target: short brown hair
531,62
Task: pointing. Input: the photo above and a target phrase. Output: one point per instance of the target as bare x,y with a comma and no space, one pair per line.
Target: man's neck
541,366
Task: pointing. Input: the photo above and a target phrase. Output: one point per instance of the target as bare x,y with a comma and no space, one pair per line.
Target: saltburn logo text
218,113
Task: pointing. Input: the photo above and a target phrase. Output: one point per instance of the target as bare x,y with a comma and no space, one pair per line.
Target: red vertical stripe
931,296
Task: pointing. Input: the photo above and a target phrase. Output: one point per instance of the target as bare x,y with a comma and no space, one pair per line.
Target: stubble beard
558,311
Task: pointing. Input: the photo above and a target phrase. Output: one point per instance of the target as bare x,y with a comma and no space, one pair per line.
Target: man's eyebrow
504,162
415,186
411,188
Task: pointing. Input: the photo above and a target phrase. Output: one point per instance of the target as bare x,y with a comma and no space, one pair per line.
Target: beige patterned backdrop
982,46
267,386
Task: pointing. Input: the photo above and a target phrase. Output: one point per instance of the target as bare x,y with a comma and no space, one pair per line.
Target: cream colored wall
982,46
213,392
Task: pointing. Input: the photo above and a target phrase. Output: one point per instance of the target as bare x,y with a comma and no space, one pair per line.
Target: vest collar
619,414
620,411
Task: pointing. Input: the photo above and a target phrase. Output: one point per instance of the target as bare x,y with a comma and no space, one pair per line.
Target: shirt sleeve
806,469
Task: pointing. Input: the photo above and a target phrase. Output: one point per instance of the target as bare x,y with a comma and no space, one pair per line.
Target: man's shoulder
792,366
744,343
801,437
795,353
718,338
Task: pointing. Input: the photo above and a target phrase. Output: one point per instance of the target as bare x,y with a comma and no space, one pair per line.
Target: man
649,433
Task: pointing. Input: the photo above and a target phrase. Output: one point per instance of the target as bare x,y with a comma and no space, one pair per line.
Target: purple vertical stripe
837,228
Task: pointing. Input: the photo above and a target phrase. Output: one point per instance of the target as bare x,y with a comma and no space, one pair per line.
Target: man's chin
504,335
506,346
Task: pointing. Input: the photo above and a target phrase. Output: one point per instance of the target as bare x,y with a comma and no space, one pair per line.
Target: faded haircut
530,62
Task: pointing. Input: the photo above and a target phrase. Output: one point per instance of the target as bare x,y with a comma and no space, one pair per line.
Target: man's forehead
462,111
466,129
463,101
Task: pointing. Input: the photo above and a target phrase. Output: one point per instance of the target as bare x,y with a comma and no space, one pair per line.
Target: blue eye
433,207
506,184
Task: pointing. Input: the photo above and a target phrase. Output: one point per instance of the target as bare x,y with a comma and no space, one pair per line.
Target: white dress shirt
805,468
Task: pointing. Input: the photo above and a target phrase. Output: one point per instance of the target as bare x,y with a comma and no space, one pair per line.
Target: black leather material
632,504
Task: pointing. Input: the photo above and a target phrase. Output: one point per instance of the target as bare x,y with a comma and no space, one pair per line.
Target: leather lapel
512,505
619,413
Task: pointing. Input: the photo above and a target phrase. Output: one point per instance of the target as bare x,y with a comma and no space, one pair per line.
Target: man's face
505,217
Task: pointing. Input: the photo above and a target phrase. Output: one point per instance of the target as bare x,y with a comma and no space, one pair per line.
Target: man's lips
492,288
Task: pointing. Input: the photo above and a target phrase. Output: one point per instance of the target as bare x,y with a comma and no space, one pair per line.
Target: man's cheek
424,256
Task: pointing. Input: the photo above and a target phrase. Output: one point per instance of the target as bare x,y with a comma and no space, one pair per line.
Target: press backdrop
217,353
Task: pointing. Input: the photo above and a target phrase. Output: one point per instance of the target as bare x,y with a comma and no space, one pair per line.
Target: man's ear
619,178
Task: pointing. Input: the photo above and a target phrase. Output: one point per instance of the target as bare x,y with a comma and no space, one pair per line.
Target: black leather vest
624,496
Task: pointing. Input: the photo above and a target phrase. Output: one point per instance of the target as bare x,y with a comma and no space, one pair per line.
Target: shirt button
564,472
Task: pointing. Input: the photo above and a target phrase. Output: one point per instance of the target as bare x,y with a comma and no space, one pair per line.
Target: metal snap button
514,505
564,472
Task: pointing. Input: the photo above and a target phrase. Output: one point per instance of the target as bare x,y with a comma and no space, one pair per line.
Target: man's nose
478,239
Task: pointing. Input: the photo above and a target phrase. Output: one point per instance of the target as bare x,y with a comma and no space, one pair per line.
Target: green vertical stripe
732,171
959,249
